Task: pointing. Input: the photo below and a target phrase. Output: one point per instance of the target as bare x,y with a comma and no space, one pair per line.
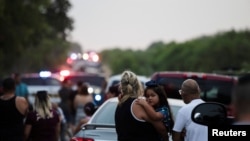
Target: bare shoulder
138,111
77,96
21,99
22,104
83,121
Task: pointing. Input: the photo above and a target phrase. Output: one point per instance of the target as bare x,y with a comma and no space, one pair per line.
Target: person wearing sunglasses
184,127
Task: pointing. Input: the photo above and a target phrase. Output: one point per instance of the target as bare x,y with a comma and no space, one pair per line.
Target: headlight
98,97
95,90
90,90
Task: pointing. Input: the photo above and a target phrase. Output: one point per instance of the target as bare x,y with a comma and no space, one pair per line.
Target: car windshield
115,82
211,90
92,80
106,114
41,81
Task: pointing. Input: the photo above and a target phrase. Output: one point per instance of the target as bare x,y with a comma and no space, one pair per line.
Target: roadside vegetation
33,34
224,52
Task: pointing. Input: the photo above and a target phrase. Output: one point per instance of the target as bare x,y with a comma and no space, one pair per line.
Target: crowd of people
143,113
44,120
149,111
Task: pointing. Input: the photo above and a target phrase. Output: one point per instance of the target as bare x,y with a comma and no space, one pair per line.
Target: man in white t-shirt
184,127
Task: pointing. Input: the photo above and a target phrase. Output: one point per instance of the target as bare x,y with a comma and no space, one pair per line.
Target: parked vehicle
220,126
214,87
101,126
96,83
42,81
87,62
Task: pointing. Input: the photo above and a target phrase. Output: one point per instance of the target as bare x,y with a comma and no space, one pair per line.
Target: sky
136,24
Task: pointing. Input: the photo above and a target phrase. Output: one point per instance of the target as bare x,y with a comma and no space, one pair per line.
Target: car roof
36,78
77,73
37,75
92,79
187,74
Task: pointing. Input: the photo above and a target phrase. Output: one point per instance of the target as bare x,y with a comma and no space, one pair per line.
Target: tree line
223,52
33,34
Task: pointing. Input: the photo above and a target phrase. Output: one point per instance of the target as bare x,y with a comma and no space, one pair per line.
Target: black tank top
130,129
11,121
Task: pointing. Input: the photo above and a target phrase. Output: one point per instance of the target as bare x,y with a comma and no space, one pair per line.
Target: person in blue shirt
21,88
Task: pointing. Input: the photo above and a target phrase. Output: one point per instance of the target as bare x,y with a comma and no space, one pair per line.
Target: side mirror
210,114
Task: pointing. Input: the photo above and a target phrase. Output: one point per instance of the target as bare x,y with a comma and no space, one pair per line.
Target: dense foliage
223,51
33,34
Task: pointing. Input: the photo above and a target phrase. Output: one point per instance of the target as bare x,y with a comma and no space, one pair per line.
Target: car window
52,81
92,80
115,79
172,86
38,81
115,82
33,81
218,91
211,90
106,114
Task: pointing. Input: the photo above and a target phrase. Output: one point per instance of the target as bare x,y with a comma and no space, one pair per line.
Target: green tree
33,34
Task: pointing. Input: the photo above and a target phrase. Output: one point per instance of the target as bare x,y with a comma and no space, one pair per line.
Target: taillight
81,139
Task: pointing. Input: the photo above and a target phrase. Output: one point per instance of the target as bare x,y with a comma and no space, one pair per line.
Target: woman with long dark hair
156,104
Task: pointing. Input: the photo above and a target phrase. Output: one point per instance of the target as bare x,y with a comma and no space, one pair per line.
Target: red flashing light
81,139
69,61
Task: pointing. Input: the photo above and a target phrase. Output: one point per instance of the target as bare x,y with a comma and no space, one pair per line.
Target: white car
38,81
101,126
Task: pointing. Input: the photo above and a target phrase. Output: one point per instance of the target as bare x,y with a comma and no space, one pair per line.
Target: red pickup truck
214,87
